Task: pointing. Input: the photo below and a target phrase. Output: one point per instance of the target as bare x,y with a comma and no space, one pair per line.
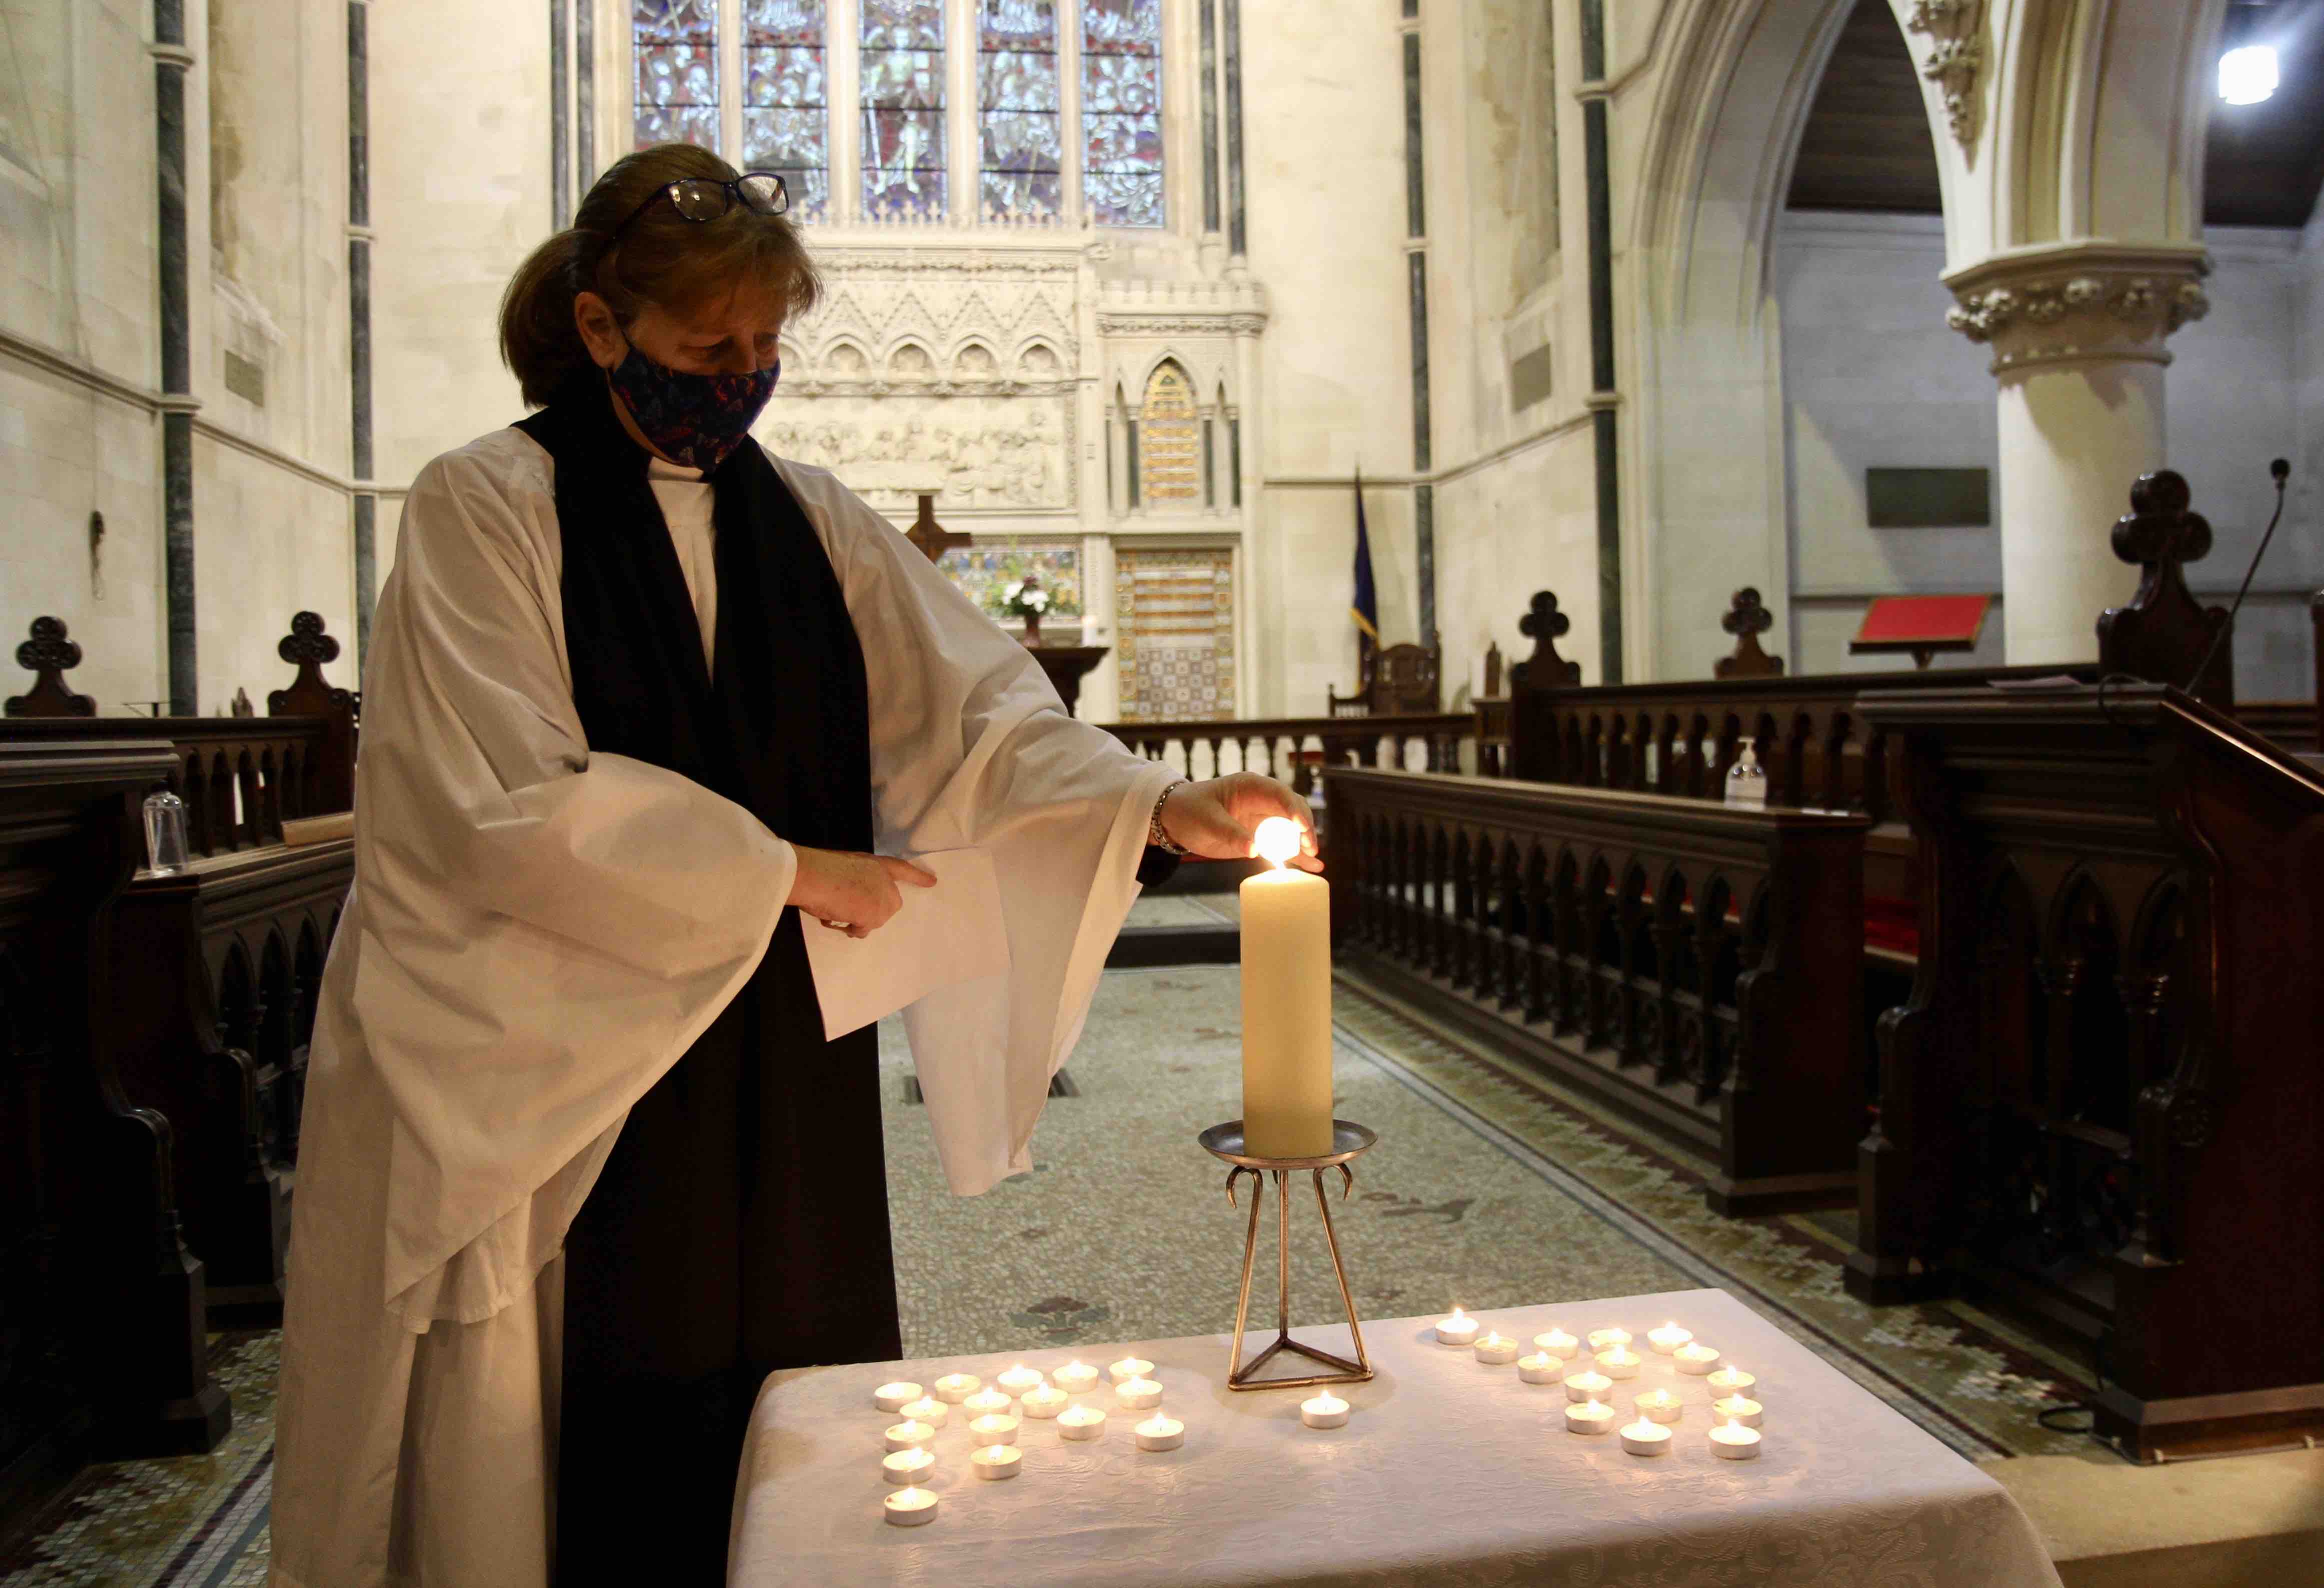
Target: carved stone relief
974,450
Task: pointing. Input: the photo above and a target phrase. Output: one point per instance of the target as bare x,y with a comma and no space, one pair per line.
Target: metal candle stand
1226,1141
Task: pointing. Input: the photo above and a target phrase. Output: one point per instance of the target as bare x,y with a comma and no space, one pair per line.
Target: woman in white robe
539,932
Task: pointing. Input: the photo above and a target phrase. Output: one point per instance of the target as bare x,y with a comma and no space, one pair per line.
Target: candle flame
1457,1313
1278,839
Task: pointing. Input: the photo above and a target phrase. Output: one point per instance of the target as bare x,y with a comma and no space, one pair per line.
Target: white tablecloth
1450,1472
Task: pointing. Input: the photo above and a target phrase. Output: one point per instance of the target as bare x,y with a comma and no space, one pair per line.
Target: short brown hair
663,260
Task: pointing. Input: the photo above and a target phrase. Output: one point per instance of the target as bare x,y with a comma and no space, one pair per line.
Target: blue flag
1365,608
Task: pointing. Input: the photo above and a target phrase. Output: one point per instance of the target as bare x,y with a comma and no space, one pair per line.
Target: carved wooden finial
48,654
1544,669
1493,670
310,695
932,537
2164,633
1747,618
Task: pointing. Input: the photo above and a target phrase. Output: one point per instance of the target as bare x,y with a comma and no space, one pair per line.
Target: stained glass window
1121,111
786,104
1169,450
676,44
902,65
1021,146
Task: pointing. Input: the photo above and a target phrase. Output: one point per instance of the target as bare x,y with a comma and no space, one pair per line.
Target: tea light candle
909,1507
1076,1378
1495,1348
955,1388
1732,1380
1646,1438
926,1410
1731,1441
910,1435
1697,1359
895,1397
1668,1338
1043,1402
1160,1433
1540,1368
1557,1343
1620,1363
1020,1378
1586,1385
994,1428
997,1461
904,1468
1737,1408
1460,1330
1080,1422
1130,1367
1138,1394
1589,1416
1660,1406
1325,1410
985,1403
1607,1339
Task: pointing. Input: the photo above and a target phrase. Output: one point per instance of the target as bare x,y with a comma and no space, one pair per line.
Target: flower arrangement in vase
1024,599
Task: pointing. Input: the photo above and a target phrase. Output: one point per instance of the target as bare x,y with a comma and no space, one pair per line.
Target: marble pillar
2077,332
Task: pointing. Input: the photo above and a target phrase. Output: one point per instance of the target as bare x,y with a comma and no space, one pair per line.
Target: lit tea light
1668,1338
1732,1380
1019,1379
909,1507
985,1403
1138,1394
1607,1339
1557,1343
1043,1402
1460,1330
997,1461
1737,1408
1495,1348
994,1428
1731,1441
1646,1438
1324,1411
1540,1368
1620,1362
1660,1406
1697,1359
1080,1422
1130,1367
925,1410
904,1468
909,1436
895,1397
1076,1378
1590,1417
1588,1385
1160,1433
955,1387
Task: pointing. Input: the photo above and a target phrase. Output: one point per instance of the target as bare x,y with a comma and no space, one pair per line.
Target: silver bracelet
1155,836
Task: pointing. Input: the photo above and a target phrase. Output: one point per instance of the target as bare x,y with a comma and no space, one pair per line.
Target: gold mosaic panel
1170,440
1175,629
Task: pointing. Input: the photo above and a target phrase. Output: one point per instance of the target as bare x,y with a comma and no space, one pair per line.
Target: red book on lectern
1921,623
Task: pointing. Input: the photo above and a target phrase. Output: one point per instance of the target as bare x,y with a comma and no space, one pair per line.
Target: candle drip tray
1347,1139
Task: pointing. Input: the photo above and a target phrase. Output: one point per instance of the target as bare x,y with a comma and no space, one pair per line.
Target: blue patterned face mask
698,420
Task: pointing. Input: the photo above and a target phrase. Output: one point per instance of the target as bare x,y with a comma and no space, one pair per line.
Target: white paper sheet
945,934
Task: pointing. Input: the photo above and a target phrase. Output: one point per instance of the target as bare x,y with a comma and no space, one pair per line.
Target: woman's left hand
1215,820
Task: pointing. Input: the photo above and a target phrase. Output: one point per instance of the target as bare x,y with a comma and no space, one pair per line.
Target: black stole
741,1223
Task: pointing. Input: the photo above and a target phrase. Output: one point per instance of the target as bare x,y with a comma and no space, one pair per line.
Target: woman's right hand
850,892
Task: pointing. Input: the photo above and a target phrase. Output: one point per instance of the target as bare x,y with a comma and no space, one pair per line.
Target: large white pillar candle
1287,1003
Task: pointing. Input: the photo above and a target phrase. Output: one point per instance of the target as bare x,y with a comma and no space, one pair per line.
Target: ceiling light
2247,75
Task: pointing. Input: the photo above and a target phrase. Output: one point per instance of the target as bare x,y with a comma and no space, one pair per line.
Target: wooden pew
2103,1103
103,1318
1692,965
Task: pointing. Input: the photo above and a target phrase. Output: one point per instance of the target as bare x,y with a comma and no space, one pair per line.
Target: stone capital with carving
2080,302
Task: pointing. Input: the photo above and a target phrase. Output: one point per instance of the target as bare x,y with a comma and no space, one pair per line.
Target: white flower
1012,591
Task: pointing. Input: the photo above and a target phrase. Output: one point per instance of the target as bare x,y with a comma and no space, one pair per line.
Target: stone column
2076,331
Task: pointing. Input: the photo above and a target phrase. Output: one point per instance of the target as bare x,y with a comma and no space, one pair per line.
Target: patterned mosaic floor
1490,1187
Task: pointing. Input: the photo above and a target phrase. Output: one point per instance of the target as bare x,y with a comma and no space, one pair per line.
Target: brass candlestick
1226,1141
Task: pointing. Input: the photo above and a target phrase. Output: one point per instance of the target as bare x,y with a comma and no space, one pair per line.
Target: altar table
1449,1474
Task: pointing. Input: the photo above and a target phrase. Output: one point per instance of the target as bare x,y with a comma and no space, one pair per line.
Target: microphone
2281,468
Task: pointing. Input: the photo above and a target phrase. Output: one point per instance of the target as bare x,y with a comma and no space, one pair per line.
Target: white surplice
536,933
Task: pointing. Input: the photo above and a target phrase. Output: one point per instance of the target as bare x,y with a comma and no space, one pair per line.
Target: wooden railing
1695,965
2101,1102
1293,747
